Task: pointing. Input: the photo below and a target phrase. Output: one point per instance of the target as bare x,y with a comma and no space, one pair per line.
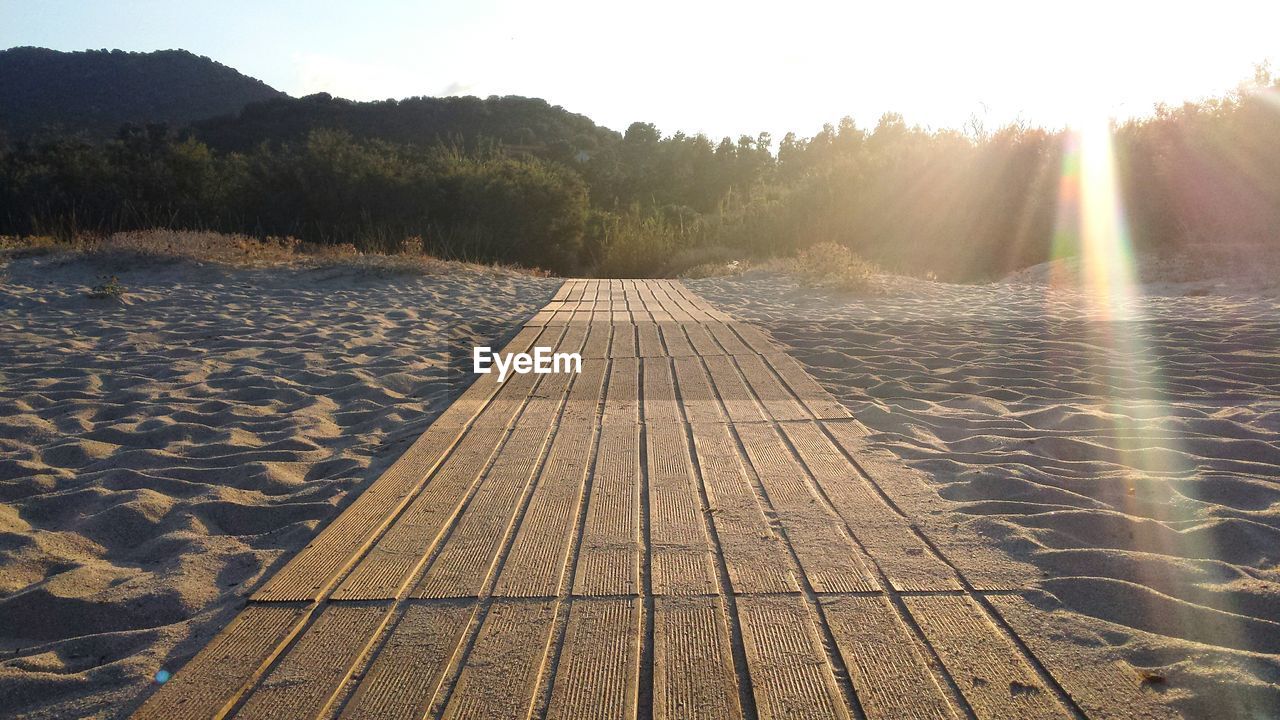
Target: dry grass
832,265
707,261
126,249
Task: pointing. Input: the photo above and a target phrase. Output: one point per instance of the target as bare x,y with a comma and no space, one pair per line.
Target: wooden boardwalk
691,527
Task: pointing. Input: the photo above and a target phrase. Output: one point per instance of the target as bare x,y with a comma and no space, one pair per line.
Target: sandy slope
1135,463
159,455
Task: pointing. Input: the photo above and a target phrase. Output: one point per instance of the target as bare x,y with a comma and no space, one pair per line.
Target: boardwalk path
690,528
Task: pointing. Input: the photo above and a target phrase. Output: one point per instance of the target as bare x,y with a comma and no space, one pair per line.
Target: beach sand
1133,462
161,453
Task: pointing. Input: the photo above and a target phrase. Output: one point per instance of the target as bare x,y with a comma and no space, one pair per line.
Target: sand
1133,463
162,453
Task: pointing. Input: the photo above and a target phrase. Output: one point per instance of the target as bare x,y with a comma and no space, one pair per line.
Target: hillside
97,91
515,121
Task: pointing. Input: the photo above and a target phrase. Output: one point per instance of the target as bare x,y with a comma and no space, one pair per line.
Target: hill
515,121
97,91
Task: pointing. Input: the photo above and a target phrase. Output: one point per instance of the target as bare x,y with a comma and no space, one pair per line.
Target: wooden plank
609,554
572,340
665,301
543,402
887,537
211,682
644,289
679,314
563,291
733,392
501,674
1102,685
756,559
624,340
888,667
812,395
696,395
512,394
754,338
314,570
622,401
776,399
660,404
693,673
409,667
559,317
598,673
464,564
466,560
649,341
701,340
703,306
681,558
535,565
990,672
781,498
597,345
586,397
677,295
727,339
982,564
827,555
312,673
674,338
629,292
473,404
791,676
396,557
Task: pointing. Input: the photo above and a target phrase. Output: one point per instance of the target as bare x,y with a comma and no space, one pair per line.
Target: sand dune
1134,463
162,453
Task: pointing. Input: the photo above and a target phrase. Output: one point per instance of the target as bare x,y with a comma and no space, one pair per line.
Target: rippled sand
162,453
1134,463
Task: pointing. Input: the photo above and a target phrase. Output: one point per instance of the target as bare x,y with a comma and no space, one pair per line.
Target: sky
720,68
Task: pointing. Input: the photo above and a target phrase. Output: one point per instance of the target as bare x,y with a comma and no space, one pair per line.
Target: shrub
110,289
635,247
705,261
829,264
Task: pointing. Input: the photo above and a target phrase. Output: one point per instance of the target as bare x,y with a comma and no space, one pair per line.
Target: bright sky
723,68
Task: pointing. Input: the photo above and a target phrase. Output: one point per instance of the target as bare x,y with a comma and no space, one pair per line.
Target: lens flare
1092,242
1092,223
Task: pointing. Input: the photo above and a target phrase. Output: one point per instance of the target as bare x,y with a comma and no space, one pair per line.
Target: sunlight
1091,220
1093,228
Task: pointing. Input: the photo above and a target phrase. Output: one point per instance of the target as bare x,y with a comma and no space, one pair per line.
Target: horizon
960,72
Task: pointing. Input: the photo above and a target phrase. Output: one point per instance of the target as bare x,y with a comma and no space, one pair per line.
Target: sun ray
1093,230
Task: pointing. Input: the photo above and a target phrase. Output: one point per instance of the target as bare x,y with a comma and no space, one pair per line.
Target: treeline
467,123
328,188
549,189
